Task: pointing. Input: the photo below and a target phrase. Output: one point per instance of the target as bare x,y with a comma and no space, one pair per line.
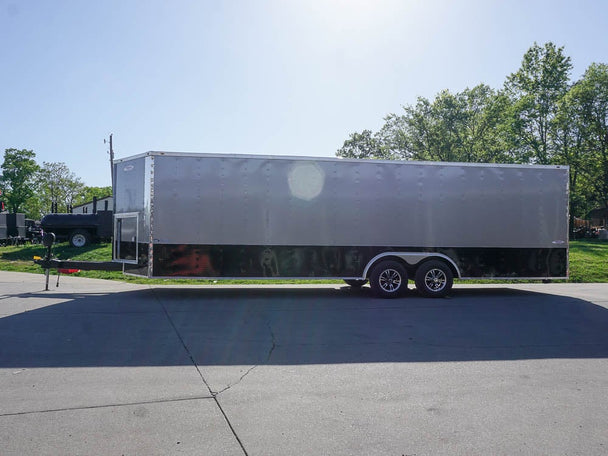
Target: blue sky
291,77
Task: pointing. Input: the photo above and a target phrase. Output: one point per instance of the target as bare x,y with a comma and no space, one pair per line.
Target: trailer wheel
388,279
355,283
79,238
434,279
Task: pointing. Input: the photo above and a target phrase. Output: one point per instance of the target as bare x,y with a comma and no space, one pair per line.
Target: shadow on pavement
171,326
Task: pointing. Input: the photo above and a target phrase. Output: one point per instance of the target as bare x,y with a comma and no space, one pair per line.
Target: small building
100,204
599,217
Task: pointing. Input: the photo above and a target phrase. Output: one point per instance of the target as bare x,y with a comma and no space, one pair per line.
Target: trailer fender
411,259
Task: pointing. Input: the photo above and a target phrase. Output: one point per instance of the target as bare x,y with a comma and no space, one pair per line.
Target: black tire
80,238
388,279
434,279
355,283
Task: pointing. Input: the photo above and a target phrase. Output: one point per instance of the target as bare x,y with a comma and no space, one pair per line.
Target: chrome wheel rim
389,280
435,280
78,240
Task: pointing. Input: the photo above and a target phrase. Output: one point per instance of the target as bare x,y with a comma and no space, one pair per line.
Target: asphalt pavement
98,367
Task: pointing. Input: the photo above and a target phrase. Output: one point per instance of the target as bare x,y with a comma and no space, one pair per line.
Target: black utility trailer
79,229
12,228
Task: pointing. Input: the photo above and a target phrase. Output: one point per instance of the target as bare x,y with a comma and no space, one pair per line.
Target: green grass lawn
588,262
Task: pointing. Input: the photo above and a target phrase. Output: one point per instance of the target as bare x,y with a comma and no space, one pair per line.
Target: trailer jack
48,239
68,266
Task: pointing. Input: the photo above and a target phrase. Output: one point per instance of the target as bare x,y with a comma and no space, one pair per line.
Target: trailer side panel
328,203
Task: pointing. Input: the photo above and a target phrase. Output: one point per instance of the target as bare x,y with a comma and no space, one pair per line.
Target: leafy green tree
394,137
535,91
33,208
452,127
88,193
581,140
457,127
418,135
589,97
58,185
17,181
447,128
571,149
361,145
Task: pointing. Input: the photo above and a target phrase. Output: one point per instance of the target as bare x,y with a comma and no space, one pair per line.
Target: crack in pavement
272,347
196,366
102,406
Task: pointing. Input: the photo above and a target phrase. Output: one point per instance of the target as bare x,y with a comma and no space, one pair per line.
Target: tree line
539,116
37,189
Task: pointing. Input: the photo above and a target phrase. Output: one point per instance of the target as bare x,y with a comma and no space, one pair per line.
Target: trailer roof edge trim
331,159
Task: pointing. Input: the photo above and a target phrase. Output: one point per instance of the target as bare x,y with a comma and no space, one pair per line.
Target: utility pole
111,161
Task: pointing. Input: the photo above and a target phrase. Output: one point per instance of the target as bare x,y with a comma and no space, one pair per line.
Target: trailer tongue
68,266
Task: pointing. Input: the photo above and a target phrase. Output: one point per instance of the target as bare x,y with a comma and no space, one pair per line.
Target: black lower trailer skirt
82,265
